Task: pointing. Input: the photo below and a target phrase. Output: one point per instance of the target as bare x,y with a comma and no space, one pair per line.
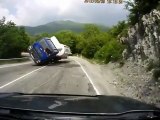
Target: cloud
36,12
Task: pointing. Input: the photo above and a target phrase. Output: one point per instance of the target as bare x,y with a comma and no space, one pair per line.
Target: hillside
57,26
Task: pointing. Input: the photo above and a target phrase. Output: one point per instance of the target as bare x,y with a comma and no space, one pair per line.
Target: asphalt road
65,77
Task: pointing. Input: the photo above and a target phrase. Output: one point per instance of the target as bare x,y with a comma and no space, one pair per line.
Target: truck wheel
55,61
37,63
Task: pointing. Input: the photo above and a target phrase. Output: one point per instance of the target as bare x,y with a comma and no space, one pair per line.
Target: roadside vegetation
92,43
13,39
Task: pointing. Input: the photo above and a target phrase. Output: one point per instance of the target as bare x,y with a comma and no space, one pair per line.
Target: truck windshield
46,47
38,51
34,54
51,44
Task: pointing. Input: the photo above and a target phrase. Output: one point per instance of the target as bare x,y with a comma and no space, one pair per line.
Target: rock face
143,40
143,51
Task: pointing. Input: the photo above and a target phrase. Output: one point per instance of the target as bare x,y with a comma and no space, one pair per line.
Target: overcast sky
37,12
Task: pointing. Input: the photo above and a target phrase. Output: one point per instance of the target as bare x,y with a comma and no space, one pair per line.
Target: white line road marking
21,77
12,65
97,92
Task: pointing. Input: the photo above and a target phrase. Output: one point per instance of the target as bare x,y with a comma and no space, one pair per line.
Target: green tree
68,38
25,39
119,29
90,30
13,40
90,48
111,51
138,8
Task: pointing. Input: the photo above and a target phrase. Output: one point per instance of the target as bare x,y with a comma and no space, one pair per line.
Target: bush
90,49
112,51
81,44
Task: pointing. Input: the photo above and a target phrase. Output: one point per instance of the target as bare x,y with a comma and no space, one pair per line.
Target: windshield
51,44
82,47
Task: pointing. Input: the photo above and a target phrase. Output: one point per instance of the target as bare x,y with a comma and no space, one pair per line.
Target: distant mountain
57,26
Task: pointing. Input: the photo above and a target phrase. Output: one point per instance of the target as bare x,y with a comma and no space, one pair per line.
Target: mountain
57,26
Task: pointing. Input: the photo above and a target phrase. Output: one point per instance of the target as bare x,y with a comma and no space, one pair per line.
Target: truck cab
43,51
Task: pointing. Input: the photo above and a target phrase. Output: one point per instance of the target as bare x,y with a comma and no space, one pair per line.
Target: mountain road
71,76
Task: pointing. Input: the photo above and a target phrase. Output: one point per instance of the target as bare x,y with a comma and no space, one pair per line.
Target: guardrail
14,60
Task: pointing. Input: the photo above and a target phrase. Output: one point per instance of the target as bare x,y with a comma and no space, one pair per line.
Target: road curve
65,77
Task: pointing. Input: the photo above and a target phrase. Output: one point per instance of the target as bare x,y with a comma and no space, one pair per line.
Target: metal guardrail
23,58
24,55
14,60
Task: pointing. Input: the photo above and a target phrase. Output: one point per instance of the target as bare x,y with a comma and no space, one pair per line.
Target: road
70,76
65,77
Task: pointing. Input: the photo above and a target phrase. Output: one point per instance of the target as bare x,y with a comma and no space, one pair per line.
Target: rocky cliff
139,77
143,39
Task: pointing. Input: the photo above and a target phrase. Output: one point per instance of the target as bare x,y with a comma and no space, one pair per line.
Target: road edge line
21,77
96,90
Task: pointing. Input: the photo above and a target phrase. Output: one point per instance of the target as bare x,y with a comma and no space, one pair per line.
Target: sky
37,12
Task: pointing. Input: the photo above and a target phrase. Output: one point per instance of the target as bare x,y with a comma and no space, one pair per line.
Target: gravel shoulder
131,80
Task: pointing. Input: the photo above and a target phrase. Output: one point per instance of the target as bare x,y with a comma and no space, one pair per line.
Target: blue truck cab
43,51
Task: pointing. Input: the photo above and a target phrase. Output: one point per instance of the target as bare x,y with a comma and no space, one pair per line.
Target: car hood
72,103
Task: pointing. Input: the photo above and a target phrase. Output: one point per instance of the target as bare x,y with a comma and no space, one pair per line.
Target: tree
80,43
25,40
90,48
68,38
111,51
138,8
120,28
94,39
90,30
13,40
